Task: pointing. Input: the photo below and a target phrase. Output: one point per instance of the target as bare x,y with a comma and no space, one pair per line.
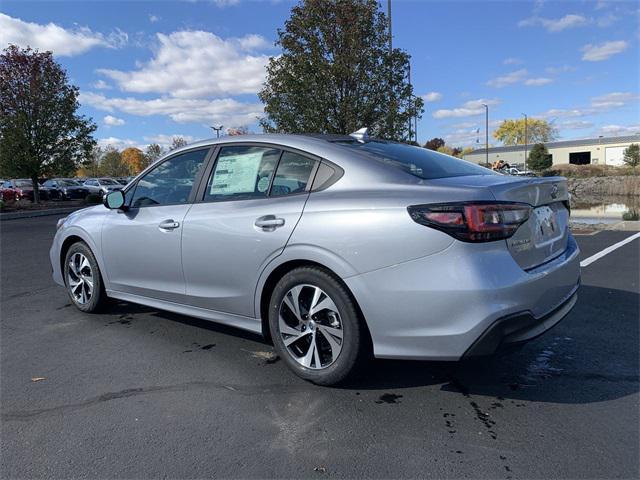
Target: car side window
293,174
242,172
169,183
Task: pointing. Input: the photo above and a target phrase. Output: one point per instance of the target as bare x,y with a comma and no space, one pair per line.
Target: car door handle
169,225
269,222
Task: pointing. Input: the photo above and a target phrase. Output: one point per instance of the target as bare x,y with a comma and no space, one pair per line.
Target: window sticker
236,174
263,184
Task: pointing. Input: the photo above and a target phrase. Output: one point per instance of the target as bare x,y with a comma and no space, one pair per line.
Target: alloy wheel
310,326
80,278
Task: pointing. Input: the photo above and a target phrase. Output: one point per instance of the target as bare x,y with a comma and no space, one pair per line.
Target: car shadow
591,356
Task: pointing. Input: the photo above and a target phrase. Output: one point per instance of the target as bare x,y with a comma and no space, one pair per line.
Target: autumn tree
135,159
40,132
631,156
113,165
177,142
335,73
153,153
434,144
539,158
512,132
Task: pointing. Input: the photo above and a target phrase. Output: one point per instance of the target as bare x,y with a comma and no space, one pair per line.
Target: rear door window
242,172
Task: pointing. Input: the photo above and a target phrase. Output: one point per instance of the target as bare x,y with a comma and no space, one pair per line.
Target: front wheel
315,326
83,279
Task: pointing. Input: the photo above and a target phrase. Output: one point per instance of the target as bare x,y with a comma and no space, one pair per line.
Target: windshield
108,181
68,183
23,183
418,161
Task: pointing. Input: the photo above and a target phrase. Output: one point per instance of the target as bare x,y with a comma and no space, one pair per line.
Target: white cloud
181,110
102,85
598,53
432,97
166,140
154,18
509,79
468,109
597,105
571,20
192,64
512,61
619,130
60,41
560,69
536,82
225,3
112,121
119,143
575,125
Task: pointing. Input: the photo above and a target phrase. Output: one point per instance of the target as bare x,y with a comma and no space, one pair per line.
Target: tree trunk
36,190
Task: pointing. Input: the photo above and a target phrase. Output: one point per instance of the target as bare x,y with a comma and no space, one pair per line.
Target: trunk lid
545,234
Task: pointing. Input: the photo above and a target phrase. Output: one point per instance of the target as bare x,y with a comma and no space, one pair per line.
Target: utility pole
410,119
217,130
525,141
486,134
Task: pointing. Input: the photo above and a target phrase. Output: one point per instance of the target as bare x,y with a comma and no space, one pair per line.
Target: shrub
585,171
93,199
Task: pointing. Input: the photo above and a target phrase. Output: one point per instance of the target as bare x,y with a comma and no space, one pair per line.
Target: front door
141,246
244,220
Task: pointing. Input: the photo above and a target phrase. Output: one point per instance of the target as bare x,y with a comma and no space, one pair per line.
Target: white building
596,151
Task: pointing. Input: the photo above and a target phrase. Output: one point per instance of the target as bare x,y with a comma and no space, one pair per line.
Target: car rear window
418,161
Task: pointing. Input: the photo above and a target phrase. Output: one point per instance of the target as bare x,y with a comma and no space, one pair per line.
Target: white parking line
602,253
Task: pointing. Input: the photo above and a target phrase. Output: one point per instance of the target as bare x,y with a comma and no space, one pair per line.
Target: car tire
326,322
83,279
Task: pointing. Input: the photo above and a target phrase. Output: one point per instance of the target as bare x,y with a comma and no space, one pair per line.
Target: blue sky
149,70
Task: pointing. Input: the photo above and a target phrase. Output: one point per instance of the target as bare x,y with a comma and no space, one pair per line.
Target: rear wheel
315,326
83,279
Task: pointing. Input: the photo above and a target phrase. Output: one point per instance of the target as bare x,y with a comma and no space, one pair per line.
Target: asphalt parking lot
139,393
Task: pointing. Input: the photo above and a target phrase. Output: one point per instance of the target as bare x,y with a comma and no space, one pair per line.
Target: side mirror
114,200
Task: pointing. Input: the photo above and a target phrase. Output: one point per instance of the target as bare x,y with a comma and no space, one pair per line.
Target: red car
21,189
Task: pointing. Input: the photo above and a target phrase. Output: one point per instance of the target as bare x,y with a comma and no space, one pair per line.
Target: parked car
65,189
101,186
7,193
22,189
332,246
123,180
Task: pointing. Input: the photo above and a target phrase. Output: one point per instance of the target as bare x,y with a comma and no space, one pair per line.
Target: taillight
473,221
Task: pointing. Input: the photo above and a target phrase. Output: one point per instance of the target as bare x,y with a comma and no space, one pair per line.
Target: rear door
243,219
141,246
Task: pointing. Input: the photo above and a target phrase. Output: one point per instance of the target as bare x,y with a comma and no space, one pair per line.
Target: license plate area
546,228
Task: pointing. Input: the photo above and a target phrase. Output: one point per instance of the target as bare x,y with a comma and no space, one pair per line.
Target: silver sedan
334,247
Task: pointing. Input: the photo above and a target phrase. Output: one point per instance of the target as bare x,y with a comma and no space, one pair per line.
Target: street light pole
486,134
217,130
525,141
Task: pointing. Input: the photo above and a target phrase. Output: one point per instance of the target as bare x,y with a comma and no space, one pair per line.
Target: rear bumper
438,307
519,328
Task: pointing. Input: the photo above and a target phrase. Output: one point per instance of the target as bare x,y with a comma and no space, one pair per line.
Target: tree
336,74
112,164
434,144
512,132
135,159
40,132
153,153
177,142
539,158
235,131
90,166
632,156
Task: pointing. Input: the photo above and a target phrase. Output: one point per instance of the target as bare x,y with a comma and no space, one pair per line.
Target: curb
38,213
